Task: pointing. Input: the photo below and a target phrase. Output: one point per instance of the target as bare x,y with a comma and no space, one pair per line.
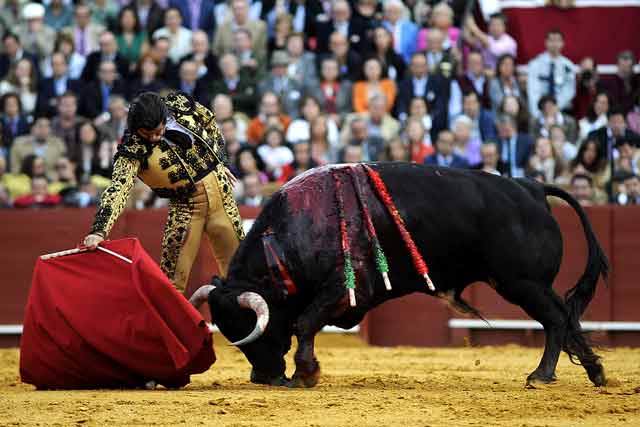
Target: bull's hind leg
544,305
577,345
315,316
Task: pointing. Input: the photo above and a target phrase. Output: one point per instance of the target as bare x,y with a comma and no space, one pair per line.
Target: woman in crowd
393,65
419,147
633,118
334,94
132,41
504,83
442,19
546,160
596,115
567,150
396,151
517,109
66,45
283,28
373,84
464,144
274,153
590,161
179,36
249,162
321,151
23,80
302,162
299,129
14,122
94,153
148,79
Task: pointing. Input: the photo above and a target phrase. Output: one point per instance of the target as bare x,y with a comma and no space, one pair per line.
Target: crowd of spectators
301,83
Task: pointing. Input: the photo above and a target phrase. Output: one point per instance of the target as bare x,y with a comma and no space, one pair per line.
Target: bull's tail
579,297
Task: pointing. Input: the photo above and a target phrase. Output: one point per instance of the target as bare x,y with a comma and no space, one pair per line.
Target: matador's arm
114,198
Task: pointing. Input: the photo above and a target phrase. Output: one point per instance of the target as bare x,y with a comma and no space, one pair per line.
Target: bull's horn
256,303
200,296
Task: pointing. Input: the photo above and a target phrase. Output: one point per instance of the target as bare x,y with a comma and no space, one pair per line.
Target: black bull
469,226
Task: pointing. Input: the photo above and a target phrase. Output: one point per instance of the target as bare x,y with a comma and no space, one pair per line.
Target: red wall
413,320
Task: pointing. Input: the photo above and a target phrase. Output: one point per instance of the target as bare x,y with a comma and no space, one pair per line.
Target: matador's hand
232,178
92,241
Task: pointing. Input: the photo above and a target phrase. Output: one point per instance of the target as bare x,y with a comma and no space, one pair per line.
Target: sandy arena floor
361,386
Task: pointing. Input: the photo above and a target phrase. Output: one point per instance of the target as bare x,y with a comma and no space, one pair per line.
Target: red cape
95,321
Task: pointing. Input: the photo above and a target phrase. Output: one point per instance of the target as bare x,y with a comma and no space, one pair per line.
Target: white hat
33,11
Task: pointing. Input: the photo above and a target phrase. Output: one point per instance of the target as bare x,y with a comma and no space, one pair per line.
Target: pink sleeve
454,34
506,45
422,40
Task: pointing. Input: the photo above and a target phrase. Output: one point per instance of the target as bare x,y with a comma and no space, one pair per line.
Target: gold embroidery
228,202
114,198
175,234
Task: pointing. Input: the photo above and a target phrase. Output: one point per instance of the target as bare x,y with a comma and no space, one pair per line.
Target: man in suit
289,91
167,69
252,191
405,32
201,54
238,85
64,122
85,34
108,51
41,143
249,62
197,14
341,20
483,121
223,41
150,14
302,64
631,196
444,155
372,146
349,61
305,14
419,84
50,89
35,36
515,148
13,52
97,94
475,80
612,135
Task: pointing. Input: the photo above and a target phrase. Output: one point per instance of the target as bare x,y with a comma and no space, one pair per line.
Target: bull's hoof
259,378
537,380
304,381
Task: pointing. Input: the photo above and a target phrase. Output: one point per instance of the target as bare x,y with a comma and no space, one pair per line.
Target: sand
360,386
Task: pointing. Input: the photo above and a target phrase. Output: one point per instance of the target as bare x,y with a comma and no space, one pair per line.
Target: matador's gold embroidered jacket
170,170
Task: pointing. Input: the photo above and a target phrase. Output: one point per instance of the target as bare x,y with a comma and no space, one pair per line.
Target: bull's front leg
316,315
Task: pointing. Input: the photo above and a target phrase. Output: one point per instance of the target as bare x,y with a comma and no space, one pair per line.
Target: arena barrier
412,320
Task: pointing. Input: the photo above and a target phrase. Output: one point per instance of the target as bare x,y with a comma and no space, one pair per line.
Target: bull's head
260,331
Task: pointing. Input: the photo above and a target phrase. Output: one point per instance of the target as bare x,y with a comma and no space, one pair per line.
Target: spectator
372,146
393,65
108,51
248,162
303,15
588,85
289,91
35,36
104,12
84,32
441,61
252,191
405,32
631,194
419,146
567,150
582,189
179,37
223,40
504,83
52,88
15,185
349,60
633,118
419,84
445,155
223,107
58,14
514,147
442,20
10,14
302,162
475,80
23,80
148,79
353,29
379,122
625,83
490,162
465,144
396,151
596,117
5,197
39,142
552,74
333,94
483,121
495,44
167,69
515,108
94,153
116,123
75,61
131,40
590,160
300,129
39,196
322,152
232,145
151,15
201,54
269,106
302,64
550,115
373,84
14,122
249,62
98,93
274,153
546,160
64,122
352,153
198,15
12,52
81,197
189,82
616,130
65,177
628,157
282,28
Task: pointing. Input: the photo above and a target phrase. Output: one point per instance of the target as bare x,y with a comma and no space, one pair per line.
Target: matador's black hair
147,111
